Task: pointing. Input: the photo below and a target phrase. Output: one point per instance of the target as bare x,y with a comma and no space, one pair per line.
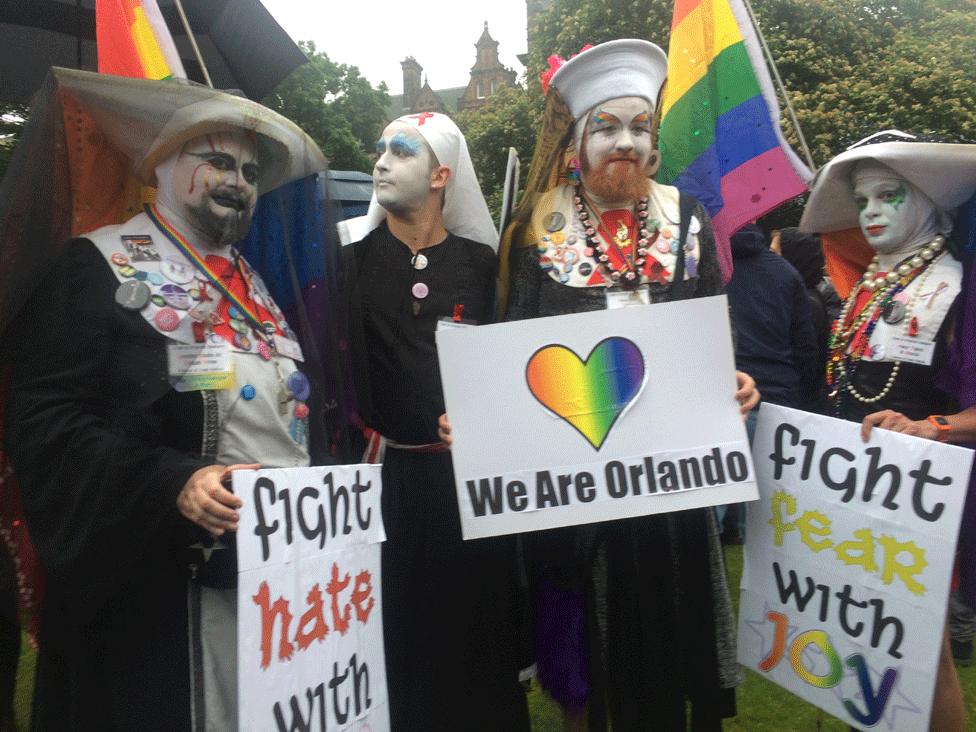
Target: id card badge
911,350
618,298
199,367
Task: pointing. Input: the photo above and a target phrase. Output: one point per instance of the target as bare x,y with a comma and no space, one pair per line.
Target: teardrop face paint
401,176
212,184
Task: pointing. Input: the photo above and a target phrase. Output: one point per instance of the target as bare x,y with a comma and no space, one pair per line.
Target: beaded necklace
629,276
884,287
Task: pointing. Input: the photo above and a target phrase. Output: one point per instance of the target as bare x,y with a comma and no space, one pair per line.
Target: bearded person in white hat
890,344
425,254
633,618
121,449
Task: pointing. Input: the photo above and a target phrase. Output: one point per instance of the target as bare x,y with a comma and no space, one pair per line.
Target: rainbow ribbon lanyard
200,263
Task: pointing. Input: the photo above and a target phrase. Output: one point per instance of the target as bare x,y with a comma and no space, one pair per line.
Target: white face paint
212,185
618,135
401,176
888,211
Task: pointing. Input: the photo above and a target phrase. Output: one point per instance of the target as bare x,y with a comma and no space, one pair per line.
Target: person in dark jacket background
803,251
775,340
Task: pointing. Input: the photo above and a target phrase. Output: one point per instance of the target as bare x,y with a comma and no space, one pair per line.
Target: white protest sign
309,607
848,559
594,416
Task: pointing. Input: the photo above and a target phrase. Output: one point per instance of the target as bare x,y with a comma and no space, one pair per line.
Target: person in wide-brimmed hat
891,339
118,449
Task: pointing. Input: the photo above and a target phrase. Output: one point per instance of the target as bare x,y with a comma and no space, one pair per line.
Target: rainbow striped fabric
133,40
720,138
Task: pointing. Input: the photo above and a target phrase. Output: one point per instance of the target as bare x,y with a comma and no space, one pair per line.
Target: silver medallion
555,221
133,295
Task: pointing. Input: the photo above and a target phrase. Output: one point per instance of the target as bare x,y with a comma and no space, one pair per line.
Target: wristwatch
942,425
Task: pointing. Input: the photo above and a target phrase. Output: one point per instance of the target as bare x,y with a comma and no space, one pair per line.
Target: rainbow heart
590,395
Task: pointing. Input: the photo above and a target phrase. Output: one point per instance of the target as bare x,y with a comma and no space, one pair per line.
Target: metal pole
779,83
193,42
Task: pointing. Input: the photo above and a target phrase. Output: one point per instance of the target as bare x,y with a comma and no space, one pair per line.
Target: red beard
613,180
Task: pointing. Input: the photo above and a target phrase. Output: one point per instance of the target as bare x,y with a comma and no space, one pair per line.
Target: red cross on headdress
421,118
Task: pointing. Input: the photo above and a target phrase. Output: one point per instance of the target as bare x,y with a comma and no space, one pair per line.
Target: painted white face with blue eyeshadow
401,176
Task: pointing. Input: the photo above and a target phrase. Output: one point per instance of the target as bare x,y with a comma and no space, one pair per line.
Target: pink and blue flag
720,137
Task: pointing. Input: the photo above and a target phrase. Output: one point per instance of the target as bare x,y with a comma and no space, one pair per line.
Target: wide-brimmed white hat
148,121
624,68
945,172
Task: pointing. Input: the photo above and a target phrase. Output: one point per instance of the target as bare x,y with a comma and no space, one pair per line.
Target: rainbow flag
133,40
720,138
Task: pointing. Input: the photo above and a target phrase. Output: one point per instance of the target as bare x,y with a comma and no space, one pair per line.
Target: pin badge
298,385
419,262
420,290
132,295
119,259
175,296
167,320
177,270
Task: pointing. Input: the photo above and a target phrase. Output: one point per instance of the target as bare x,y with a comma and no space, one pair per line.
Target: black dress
660,632
450,615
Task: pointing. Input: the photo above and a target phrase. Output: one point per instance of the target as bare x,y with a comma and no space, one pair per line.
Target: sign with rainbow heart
848,564
594,416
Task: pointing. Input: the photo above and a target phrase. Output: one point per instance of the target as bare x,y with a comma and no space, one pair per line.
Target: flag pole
779,83
193,43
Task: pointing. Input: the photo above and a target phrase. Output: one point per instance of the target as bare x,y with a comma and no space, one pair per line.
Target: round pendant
177,270
419,262
555,221
420,290
132,295
167,320
298,385
175,296
894,312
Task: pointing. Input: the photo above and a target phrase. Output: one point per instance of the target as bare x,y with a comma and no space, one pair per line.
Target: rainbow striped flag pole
720,137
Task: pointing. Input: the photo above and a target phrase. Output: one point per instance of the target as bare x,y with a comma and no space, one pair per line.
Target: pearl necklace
841,367
629,275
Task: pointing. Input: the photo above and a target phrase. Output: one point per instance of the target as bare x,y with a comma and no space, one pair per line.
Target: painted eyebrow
405,145
381,146
640,119
603,118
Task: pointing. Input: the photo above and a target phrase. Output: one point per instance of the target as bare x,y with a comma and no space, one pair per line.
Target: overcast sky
376,35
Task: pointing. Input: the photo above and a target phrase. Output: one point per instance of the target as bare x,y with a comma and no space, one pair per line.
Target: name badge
196,367
911,350
617,298
288,348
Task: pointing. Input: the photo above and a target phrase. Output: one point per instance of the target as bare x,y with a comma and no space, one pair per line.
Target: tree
509,118
335,105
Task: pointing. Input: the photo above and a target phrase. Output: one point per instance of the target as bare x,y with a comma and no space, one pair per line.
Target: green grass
763,706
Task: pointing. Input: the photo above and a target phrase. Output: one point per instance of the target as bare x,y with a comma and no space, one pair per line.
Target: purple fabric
959,379
560,645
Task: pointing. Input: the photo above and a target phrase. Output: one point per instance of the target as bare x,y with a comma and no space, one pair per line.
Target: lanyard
200,263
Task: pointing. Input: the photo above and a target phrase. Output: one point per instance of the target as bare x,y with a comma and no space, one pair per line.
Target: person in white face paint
425,254
122,451
623,638
890,341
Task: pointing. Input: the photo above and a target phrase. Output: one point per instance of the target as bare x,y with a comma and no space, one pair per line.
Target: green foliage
510,118
336,106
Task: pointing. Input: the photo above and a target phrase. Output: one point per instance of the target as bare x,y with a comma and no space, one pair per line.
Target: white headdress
465,211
